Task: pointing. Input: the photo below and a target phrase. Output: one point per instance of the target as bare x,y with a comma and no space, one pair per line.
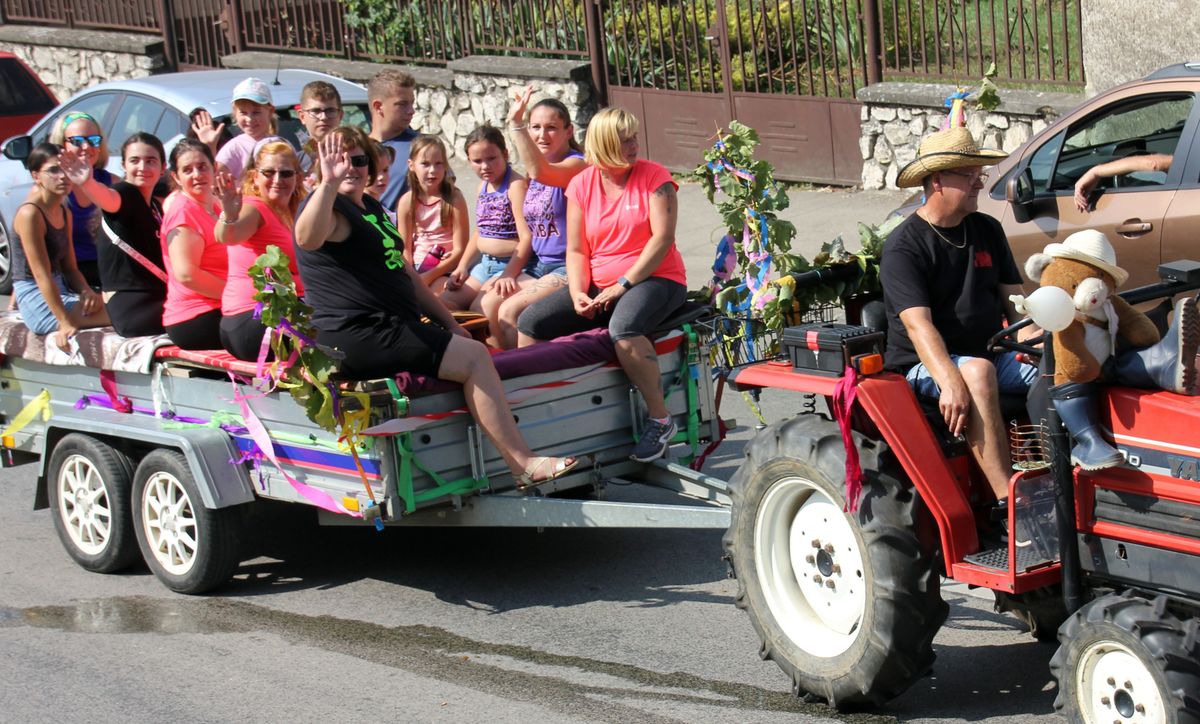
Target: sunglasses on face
359,160
972,175
282,172
85,141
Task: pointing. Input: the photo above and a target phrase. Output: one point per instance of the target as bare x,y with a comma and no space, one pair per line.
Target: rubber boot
1076,405
1171,363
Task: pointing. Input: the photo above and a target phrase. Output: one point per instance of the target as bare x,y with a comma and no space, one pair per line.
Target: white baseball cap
253,90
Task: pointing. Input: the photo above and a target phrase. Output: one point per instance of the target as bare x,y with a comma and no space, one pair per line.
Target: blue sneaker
656,438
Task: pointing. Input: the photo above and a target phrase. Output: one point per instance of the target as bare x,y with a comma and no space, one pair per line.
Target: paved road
463,625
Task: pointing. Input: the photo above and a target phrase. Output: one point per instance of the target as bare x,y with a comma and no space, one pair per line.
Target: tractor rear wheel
1126,658
847,604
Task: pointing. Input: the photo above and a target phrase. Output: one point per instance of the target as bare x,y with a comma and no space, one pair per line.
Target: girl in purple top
501,237
79,134
546,142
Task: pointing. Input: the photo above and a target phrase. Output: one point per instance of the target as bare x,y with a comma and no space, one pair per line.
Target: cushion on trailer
574,350
217,358
100,348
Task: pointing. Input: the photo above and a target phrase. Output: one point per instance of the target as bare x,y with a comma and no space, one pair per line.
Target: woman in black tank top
368,302
50,291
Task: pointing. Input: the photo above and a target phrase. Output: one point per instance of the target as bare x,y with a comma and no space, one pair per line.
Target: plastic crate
827,348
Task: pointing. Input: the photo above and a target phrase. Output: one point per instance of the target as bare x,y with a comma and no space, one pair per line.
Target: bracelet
521,127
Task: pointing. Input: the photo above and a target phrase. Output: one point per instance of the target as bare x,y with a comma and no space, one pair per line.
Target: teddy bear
1084,266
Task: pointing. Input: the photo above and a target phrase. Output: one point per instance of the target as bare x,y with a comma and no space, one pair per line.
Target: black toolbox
826,348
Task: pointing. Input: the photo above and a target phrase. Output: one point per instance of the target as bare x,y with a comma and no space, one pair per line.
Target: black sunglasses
359,160
283,172
85,141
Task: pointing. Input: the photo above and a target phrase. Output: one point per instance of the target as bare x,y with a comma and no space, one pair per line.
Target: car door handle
1134,226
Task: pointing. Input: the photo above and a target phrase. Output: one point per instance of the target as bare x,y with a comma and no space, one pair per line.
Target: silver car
158,104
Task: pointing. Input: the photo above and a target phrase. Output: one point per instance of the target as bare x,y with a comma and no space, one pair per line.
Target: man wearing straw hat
947,273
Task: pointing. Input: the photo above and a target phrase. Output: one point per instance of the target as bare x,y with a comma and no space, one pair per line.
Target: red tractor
847,603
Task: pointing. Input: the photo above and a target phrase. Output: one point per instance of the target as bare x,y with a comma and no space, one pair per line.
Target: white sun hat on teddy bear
1091,247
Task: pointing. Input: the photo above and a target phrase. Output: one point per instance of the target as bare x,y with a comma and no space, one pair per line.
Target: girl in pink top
196,261
624,271
432,214
272,190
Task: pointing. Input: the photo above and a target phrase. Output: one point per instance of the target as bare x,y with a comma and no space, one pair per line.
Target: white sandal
561,467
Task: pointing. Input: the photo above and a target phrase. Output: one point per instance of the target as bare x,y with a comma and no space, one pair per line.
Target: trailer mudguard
209,452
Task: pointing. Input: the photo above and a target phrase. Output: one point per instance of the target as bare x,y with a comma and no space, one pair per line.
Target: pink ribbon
844,394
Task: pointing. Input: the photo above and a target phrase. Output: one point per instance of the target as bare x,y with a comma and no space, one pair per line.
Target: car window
1041,163
172,124
137,113
20,93
95,105
1139,126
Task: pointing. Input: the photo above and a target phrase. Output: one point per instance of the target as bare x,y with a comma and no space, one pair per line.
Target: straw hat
951,148
1090,247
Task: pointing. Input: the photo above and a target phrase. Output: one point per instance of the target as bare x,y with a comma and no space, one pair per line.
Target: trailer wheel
190,548
846,604
89,485
1125,658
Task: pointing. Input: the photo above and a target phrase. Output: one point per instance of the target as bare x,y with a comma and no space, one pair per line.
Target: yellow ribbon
39,404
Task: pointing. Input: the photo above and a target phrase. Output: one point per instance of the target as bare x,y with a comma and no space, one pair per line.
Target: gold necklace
943,236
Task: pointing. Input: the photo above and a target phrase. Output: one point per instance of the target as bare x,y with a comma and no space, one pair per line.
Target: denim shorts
1012,377
490,267
34,310
538,269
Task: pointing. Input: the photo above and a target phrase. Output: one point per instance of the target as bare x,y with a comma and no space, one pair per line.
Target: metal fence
135,15
1030,41
798,47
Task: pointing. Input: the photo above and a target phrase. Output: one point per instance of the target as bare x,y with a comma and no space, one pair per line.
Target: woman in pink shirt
624,271
272,192
196,261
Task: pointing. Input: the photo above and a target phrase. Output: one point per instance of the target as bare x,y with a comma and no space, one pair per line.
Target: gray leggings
638,312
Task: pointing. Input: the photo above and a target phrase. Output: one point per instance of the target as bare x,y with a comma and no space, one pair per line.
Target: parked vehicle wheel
846,604
89,485
190,548
1125,658
5,259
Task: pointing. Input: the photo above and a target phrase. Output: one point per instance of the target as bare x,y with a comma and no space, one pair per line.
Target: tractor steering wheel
1006,341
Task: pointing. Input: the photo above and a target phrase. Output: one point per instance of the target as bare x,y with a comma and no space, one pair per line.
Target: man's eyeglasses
359,160
85,141
322,112
980,176
282,172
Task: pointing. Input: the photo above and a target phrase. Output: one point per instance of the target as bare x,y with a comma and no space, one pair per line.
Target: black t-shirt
137,224
961,287
361,276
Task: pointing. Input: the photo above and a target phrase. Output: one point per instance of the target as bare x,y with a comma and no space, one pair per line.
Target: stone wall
896,116
457,99
69,62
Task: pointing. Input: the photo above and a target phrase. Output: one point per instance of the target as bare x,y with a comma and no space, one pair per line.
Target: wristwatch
625,283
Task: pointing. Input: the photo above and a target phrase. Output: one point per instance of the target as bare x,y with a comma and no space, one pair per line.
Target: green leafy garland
753,273
301,366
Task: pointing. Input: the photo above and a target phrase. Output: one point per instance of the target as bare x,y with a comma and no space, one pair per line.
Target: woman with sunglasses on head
368,301
196,261
79,135
47,284
259,214
129,255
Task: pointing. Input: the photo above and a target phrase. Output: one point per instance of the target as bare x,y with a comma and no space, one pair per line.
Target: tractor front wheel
1129,659
847,604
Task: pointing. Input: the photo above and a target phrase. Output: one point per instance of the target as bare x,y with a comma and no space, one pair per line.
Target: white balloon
1051,308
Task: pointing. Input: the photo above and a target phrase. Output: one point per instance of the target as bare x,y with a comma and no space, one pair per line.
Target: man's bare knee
980,376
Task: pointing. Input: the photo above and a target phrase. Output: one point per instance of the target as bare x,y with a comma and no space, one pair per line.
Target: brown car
1150,217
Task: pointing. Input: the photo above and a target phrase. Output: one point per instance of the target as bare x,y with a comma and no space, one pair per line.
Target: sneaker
656,438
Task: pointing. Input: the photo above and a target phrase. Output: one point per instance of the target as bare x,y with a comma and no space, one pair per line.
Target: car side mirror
18,148
1019,194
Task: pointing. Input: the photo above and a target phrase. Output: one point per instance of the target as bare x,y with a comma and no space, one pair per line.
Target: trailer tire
89,485
1151,656
868,637
190,548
